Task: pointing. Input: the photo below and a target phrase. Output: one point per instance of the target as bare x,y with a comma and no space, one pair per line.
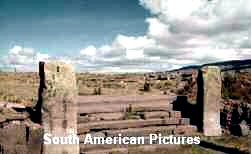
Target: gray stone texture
59,110
212,97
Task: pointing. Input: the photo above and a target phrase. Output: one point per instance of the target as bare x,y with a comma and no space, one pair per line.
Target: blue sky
66,26
123,35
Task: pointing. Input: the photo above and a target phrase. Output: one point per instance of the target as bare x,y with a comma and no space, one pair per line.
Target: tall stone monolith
59,106
212,96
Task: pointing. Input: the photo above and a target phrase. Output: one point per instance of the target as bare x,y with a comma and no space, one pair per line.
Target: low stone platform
129,116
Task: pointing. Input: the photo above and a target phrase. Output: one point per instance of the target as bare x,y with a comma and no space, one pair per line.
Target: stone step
120,107
122,124
108,149
125,115
164,130
101,116
162,114
133,132
89,100
187,130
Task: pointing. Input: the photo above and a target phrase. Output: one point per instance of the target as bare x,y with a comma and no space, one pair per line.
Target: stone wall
211,102
59,105
18,134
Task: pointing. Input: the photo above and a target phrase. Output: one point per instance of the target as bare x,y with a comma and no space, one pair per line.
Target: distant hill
232,65
225,65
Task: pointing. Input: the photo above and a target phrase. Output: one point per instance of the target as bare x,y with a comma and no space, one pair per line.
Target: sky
123,35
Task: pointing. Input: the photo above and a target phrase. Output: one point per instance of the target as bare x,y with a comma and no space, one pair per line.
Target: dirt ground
23,87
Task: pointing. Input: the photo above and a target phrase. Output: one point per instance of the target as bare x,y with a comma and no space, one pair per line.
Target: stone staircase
131,116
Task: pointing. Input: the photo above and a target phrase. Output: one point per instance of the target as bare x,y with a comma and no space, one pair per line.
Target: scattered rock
244,128
2,104
11,114
15,106
2,118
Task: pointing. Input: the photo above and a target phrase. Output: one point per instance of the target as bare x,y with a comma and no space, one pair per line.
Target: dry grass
23,87
19,87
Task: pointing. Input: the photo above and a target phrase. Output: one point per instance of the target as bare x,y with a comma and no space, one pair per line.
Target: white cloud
89,51
200,31
126,48
133,43
24,58
153,5
42,57
19,55
18,50
180,32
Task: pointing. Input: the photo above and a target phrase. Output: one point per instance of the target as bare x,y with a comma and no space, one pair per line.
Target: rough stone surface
184,121
18,138
122,107
212,96
244,128
59,116
175,114
145,131
185,129
121,124
125,149
2,118
156,114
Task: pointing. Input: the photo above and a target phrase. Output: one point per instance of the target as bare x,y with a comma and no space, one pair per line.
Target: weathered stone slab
82,130
121,124
125,149
13,134
15,106
138,132
126,99
21,139
184,121
10,114
185,130
108,116
2,118
153,106
212,96
175,114
35,140
59,104
122,107
2,104
244,128
84,119
156,114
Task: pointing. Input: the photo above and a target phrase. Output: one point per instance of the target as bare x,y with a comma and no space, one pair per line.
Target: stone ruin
211,101
59,106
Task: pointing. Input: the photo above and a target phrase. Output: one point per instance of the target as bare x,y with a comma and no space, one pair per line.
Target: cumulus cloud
24,58
183,32
19,55
180,33
124,51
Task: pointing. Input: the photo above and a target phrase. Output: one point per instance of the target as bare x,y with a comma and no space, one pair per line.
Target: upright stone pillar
59,106
212,96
